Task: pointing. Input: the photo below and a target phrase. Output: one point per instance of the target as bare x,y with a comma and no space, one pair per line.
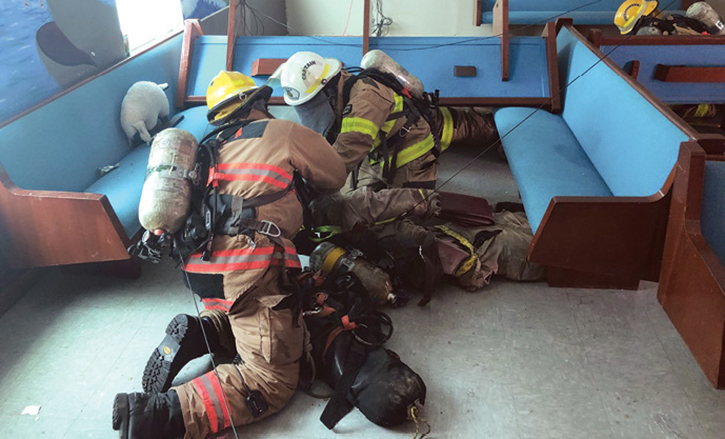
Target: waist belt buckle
270,229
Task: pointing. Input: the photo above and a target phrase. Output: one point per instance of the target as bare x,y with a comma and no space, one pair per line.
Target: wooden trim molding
552,62
500,28
366,27
192,30
266,66
668,73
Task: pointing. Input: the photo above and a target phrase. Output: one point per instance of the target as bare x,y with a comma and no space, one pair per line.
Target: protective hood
317,114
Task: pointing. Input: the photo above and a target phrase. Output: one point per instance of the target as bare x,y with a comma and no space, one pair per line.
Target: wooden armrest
45,228
266,66
668,73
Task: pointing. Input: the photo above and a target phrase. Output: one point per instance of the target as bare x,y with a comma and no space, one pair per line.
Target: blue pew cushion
546,160
712,217
123,185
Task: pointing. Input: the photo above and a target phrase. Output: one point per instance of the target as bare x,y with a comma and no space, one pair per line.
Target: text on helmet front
306,67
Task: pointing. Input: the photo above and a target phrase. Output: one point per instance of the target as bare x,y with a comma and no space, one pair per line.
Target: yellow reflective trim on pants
359,125
471,261
447,134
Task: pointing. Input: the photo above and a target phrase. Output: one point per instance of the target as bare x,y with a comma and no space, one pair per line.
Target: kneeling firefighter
249,216
387,130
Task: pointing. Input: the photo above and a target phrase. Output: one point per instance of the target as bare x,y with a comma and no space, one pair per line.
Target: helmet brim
263,92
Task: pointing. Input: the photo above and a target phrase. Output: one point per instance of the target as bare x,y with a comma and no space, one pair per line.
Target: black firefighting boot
148,416
184,342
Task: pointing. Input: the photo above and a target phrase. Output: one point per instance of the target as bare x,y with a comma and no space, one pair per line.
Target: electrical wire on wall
381,25
255,21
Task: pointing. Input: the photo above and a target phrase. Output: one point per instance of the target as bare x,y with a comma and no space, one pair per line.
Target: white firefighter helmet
304,75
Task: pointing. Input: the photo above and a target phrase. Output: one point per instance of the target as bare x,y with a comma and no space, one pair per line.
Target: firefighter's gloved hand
149,248
429,204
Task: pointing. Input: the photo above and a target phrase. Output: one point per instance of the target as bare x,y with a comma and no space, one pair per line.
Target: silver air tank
379,60
166,195
704,13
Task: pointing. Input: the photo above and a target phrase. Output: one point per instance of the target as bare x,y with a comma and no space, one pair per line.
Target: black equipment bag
383,389
347,336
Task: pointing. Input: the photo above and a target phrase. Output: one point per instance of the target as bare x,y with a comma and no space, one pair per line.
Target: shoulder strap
338,406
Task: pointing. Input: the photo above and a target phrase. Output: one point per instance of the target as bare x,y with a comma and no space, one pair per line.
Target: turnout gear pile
347,336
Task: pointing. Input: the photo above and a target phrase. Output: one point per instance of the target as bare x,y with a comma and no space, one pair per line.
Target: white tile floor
517,360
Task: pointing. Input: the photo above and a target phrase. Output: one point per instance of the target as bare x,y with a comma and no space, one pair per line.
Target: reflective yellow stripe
414,151
387,126
411,152
447,134
359,125
325,232
317,82
471,261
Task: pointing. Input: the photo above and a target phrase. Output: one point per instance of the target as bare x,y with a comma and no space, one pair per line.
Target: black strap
339,406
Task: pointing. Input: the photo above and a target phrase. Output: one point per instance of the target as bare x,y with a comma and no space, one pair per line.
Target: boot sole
121,415
168,359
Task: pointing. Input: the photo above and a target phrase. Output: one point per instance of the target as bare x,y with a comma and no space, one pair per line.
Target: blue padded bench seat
123,185
608,141
712,215
594,179
546,160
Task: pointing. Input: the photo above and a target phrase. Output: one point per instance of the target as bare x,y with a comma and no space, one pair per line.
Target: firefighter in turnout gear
257,159
383,139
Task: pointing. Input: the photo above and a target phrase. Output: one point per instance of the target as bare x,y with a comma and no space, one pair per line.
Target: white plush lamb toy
144,103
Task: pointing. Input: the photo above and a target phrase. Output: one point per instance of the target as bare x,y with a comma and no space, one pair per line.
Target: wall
268,12
410,18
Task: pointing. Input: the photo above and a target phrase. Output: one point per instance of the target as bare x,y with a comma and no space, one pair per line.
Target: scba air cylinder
171,171
337,261
379,60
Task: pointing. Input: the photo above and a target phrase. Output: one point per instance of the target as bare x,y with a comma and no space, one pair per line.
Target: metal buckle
267,227
403,131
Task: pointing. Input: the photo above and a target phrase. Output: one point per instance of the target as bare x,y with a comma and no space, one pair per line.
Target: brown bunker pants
270,347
